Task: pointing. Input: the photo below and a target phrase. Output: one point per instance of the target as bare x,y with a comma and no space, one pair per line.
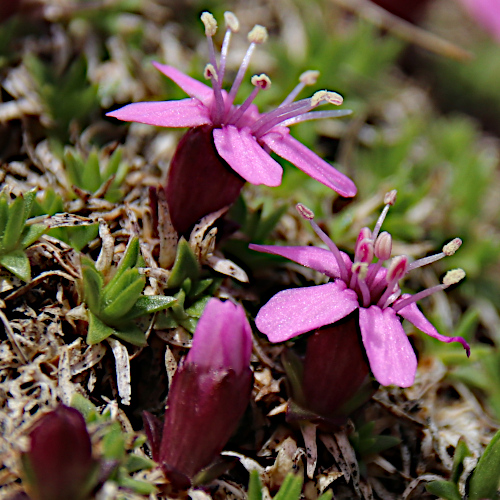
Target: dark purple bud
199,181
335,376
209,393
59,463
410,10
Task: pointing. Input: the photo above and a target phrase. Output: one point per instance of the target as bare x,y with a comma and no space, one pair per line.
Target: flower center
224,112
373,283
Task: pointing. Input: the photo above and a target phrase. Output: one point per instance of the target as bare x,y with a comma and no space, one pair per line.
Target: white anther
262,81
383,246
325,95
451,247
210,72
232,21
390,197
453,276
305,212
210,23
309,77
258,34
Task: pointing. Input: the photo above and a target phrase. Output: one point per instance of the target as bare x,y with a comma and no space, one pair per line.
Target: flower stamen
232,26
449,249
307,78
308,214
260,82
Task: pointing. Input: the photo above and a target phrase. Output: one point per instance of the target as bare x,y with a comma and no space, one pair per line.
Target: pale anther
398,268
451,247
210,23
326,95
210,72
383,246
453,276
262,81
232,21
360,269
258,34
305,212
309,77
390,197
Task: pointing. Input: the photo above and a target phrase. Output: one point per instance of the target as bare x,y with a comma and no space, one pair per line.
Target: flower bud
59,463
209,393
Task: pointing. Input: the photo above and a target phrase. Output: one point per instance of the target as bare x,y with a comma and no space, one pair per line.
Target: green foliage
51,203
290,489
67,96
483,482
116,447
15,234
91,173
113,304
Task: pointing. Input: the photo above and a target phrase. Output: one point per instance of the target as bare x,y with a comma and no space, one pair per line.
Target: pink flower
486,13
241,136
360,285
209,394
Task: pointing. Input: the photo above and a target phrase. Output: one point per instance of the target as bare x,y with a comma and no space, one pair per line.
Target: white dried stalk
122,363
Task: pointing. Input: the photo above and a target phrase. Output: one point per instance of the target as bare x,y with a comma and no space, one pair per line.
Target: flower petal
302,157
320,259
414,315
389,351
299,310
246,157
183,113
192,87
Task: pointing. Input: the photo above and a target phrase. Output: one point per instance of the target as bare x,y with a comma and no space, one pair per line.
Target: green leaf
132,334
444,489
14,226
139,487
485,478
199,287
29,198
185,266
122,304
17,263
266,225
135,463
113,443
115,287
327,495
113,163
461,451
254,486
196,309
98,331
83,405
31,233
91,175
4,214
128,261
291,488
74,167
92,285
148,304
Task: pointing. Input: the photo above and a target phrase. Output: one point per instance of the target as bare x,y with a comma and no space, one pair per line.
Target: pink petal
183,113
389,351
299,310
414,315
284,145
246,157
320,259
192,87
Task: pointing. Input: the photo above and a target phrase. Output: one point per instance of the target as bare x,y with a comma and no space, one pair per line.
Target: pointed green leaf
185,266
29,198
291,488
461,451
135,463
196,309
116,287
254,486
91,175
199,287
74,167
98,331
79,236
148,304
189,324
485,478
4,214
132,334
92,285
140,487
166,321
444,489
17,263
113,443
128,260
14,226
113,163
122,304
327,495
31,233
83,405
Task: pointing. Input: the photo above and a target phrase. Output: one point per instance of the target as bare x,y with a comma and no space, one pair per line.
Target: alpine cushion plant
209,394
360,285
228,144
